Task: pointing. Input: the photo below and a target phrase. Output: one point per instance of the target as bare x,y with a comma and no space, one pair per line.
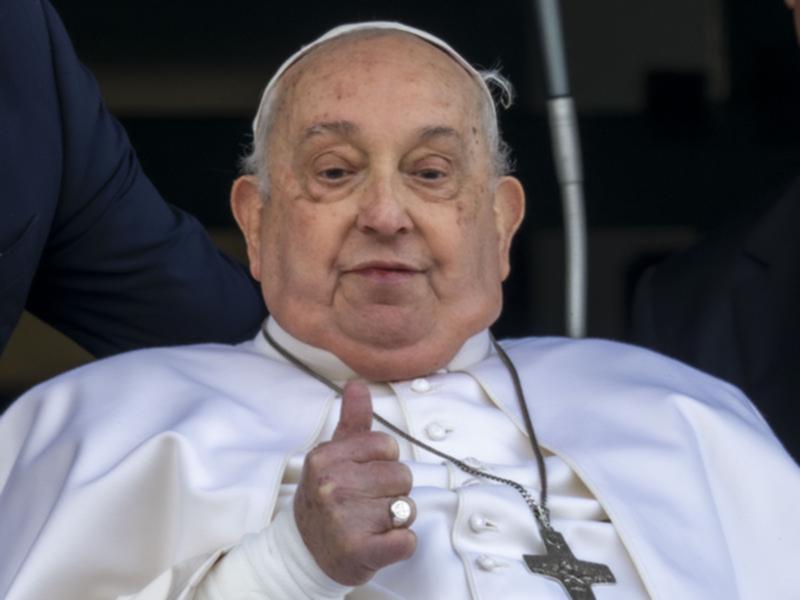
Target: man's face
385,236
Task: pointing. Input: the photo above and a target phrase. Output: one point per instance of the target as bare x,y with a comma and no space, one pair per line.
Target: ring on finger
400,510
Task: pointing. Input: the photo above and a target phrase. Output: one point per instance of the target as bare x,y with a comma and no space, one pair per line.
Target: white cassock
168,473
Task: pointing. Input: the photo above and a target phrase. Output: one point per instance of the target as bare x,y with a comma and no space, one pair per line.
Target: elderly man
378,219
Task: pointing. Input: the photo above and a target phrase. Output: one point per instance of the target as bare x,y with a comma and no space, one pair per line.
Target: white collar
327,364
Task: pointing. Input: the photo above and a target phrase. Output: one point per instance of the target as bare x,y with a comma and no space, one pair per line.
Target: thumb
356,413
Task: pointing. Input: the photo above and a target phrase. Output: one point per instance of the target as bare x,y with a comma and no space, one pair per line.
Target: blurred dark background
689,113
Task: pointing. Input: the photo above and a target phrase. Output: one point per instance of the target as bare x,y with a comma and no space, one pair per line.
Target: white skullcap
369,25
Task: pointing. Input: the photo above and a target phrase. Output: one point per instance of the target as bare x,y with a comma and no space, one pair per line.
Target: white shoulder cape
117,471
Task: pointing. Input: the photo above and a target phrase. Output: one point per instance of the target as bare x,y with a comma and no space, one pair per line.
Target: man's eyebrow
341,128
348,129
438,131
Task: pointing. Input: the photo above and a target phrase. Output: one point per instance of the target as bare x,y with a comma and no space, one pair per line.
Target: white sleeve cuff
273,564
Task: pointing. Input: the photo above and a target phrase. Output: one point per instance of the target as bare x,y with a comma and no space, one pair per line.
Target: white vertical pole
567,158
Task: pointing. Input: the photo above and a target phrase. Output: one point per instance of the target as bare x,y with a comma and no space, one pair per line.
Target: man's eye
431,174
334,173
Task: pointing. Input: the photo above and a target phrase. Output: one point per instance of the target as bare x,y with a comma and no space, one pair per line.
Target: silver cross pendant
559,563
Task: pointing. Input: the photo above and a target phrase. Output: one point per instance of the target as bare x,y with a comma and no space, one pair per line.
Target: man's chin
392,351
389,329
396,363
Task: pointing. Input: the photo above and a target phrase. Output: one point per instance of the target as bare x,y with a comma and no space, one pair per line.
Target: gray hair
496,90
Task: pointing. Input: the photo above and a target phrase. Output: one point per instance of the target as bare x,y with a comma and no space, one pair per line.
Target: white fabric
128,467
270,564
449,502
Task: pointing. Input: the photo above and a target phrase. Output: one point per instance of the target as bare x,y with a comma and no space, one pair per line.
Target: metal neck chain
539,509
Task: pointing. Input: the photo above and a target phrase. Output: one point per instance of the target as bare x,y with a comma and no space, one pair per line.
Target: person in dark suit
86,242
729,306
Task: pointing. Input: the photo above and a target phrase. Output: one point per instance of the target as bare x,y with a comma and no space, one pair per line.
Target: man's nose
383,210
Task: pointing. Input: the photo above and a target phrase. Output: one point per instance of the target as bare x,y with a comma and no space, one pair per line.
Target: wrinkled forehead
352,30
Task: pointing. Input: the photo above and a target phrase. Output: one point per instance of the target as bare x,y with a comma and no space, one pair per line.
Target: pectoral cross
577,576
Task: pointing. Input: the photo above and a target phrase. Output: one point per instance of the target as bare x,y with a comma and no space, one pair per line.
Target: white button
473,462
471,481
436,431
421,385
478,523
486,562
489,563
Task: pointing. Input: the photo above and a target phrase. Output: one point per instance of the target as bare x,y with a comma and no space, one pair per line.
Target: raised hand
347,486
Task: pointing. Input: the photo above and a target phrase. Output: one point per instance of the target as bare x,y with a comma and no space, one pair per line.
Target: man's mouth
385,271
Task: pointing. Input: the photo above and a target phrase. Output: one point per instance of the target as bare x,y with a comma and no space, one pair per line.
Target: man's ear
509,209
246,205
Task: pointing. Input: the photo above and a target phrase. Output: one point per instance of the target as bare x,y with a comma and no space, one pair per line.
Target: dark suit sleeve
120,268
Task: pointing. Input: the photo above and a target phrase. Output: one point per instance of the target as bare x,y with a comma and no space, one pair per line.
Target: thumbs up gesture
342,504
